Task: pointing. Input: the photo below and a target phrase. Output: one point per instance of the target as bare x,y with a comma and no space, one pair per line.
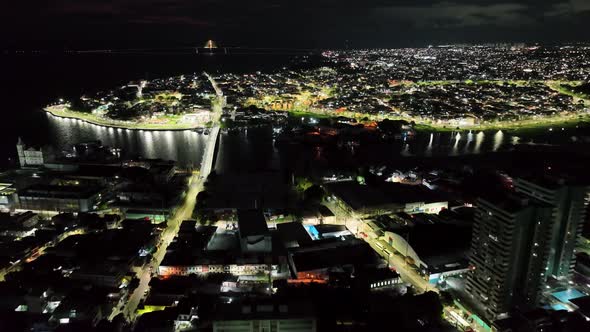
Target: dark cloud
458,15
305,23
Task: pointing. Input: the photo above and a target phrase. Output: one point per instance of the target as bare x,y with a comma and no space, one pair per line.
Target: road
214,84
217,109
209,154
407,273
219,103
183,212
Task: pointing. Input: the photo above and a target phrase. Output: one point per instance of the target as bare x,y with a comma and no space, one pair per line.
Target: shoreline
511,126
105,124
544,124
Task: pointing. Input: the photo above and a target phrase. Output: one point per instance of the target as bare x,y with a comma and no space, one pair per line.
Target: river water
255,148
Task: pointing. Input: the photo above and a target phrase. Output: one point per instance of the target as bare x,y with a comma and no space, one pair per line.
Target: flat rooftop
356,254
439,244
252,223
360,196
51,191
293,234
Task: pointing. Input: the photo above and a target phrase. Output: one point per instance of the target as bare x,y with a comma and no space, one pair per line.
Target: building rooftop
439,244
583,304
356,254
264,309
293,234
360,196
55,191
252,223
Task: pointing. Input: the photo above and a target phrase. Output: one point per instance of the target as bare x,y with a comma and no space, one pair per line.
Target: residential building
509,254
568,204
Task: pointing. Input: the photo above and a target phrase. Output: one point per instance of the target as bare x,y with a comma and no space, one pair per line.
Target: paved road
183,212
217,110
220,102
214,84
406,272
209,154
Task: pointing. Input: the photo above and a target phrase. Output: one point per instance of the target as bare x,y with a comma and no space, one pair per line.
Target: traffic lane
183,212
407,273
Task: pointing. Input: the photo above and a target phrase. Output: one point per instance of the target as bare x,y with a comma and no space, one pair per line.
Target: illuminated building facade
235,269
568,212
509,253
28,157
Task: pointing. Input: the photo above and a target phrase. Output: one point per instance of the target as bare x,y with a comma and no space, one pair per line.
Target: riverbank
536,124
522,126
525,125
62,112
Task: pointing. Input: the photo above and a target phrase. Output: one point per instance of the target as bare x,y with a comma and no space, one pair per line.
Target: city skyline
271,165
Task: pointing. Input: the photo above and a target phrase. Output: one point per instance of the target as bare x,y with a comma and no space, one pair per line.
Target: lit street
183,212
407,273
204,166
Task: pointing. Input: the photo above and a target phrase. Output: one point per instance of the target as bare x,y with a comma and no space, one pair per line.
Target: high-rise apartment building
521,241
509,252
569,204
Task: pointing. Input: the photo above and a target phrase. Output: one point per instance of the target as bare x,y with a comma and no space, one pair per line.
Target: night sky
290,23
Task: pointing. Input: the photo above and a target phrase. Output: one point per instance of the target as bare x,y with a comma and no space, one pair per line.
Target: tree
302,184
446,299
314,194
202,198
133,284
391,126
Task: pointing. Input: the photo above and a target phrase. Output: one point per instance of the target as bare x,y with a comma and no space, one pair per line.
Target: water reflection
186,146
515,140
498,140
455,150
469,141
406,151
428,151
478,141
253,148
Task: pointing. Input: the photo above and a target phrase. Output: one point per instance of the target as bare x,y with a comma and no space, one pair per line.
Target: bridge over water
211,146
